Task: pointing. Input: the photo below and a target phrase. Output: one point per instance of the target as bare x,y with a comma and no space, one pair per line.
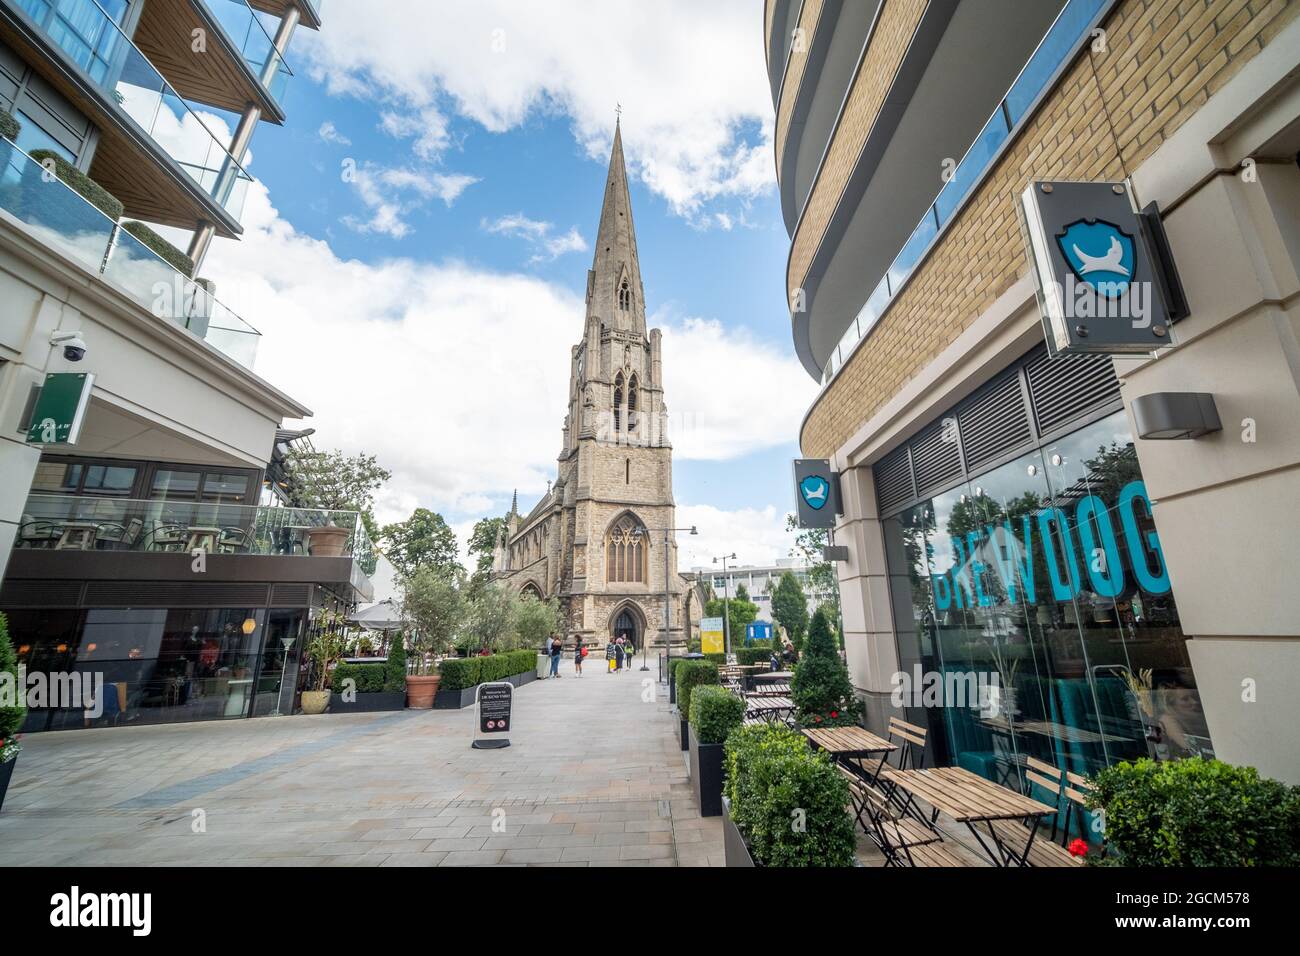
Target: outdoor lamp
249,625
1175,415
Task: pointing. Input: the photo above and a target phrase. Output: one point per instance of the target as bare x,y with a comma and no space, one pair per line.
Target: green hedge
9,126
690,674
395,668
790,803
715,713
369,677
79,182
462,672
753,655
717,658
11,717
165,250
1196,812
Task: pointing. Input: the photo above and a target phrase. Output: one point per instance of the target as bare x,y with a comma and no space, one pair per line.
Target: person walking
556,648
578,652
611,656
622,653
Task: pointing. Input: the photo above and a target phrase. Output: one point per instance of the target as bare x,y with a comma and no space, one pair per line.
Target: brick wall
1164,59
894,28
809,17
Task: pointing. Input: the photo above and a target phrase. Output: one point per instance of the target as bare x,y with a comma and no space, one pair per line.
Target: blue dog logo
816,491
1099,253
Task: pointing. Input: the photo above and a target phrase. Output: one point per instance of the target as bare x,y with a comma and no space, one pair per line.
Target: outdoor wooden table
203,538
970,799
770,690
769,707
77,536
1047,728
773,676
849,746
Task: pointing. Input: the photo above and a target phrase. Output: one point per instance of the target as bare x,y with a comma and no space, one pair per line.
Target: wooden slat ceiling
218,76
279,7
125,167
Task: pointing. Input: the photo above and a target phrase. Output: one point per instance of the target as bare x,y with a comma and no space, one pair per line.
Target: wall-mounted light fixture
1173,415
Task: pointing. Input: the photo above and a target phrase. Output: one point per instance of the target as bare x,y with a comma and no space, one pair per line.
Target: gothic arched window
618,402
625,550
624,296
632,388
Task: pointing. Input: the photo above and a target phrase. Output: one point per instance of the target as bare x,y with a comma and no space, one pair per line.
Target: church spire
614,292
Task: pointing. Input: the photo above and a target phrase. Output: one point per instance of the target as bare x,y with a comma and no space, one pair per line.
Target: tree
790,608
334,481
492,616
11,716
422,540
738,612
809,546
742,593
395,668
536,621
431,602
483,541
820,688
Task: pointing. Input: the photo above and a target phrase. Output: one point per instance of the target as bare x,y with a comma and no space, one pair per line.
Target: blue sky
452,201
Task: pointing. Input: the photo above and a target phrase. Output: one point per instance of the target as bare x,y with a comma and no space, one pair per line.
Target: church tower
596,541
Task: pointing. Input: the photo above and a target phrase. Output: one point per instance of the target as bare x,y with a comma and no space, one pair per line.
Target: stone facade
596,541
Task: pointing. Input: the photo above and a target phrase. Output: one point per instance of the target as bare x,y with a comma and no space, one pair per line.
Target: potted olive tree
431,604
325,649
12,713
333,482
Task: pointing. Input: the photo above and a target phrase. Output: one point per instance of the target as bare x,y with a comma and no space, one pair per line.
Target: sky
418,235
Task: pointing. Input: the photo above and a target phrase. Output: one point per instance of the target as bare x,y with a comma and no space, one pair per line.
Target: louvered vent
893,481
1064,388
291,595
40,594
173,594
935,460
995,422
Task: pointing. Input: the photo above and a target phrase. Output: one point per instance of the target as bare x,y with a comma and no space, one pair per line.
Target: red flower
817,718
834,713
1078,847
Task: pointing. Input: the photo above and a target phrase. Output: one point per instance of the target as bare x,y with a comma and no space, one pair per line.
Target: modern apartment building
759,581
151,547
1001,510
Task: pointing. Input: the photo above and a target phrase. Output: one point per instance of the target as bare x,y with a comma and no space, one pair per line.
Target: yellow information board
711,635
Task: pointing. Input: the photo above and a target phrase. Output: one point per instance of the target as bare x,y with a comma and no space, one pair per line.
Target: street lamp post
726,602
668,647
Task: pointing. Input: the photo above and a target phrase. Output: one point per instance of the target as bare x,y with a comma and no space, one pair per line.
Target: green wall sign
60,408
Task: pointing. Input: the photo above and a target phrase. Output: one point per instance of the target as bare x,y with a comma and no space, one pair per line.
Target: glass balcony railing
1060,43
63,220
93,40
71,523
256,46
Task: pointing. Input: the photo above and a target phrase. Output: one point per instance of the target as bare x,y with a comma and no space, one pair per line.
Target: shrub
395,668
691,674
716,657
369,678
160,246
789,802
756,653
715,713
1196,812
80,183
820,687
11,718
462,672
9,126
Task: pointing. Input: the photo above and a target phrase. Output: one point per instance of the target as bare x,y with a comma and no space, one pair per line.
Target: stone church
596,540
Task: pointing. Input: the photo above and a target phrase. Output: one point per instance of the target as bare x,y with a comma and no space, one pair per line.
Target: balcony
72,524
84,54
60,218
241,65
309,9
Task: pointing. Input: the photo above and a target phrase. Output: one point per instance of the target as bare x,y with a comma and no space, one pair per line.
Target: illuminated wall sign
1046,556
1102,287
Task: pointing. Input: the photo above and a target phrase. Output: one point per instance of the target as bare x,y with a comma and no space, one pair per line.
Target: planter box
457,699
368,703
706,776
684,734
735,851
6,772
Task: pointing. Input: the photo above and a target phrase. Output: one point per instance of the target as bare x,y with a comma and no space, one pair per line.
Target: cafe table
850,746
769,707
971,800
77,536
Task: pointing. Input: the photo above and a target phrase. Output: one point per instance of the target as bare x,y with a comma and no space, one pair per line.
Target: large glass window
1044,580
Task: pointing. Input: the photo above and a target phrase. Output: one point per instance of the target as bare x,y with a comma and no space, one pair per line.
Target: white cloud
456,377
329,133
538,234
755,535
391,194
690,77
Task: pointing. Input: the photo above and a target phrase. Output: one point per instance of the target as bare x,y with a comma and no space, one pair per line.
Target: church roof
616,254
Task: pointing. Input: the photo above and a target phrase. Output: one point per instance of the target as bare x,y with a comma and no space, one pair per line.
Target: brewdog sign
1047,555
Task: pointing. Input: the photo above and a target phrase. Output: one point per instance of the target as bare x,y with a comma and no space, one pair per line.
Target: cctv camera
74,346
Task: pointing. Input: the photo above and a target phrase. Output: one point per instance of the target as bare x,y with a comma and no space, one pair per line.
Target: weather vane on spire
618,110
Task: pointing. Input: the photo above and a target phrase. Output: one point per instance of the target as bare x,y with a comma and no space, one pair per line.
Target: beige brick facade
809,19
1162,61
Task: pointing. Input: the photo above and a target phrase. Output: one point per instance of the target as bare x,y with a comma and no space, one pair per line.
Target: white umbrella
384,616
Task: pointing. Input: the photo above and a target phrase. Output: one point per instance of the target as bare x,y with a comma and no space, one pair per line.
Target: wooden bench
1042,852
902,840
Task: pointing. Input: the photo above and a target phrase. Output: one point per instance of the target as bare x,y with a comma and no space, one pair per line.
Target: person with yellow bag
611,656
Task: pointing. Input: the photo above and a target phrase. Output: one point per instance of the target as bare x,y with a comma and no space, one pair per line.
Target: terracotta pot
421,690
327,542
315,701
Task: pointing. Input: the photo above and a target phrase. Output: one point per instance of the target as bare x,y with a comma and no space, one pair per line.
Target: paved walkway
594,777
